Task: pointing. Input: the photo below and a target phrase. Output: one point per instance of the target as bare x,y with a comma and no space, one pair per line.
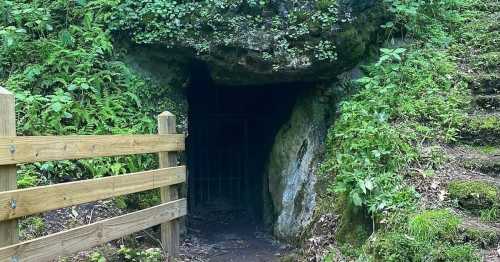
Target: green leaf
361,185
356,199
368,184
56,107
72,87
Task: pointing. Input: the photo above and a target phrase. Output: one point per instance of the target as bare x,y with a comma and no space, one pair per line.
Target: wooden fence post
170,230
8,229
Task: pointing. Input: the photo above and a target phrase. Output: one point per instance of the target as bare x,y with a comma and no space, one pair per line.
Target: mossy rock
490,60
398,246
487,84
482,130
481,235
434,224
488,164
474,195
248,42
487,102
356,224
460,252
485,159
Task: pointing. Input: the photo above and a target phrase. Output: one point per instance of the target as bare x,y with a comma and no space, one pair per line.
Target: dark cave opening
231,132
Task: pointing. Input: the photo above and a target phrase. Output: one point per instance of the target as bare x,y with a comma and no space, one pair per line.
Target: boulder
293,165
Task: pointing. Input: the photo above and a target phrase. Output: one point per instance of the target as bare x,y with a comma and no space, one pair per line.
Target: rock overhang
266,44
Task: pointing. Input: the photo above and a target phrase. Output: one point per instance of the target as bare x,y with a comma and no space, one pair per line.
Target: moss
489,149
429,236
490,122
473,195
434,224
452,253
482,129
487,165
397,246
356,224
484,237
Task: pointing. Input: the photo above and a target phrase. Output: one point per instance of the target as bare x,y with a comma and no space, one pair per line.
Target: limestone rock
293,165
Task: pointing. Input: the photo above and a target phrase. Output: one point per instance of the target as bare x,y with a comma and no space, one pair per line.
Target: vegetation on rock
412,99
435,84
474,194
280,30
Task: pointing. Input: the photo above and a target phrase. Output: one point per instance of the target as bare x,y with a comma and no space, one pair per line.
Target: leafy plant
149,255
59,60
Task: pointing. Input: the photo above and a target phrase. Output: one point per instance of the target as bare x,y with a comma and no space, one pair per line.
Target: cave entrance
231,133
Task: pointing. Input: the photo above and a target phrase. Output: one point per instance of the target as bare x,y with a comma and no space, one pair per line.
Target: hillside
331,130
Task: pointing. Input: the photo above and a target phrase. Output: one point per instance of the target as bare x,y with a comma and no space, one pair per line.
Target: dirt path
229,236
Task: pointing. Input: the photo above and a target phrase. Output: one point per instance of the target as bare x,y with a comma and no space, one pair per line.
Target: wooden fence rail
20,150
84,237
16,203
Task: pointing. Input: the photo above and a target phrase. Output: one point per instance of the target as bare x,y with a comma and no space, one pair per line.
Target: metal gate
219,163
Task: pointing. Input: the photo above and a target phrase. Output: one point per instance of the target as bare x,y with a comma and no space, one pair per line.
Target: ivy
288,33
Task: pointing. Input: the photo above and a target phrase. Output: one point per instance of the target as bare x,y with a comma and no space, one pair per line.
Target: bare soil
230,235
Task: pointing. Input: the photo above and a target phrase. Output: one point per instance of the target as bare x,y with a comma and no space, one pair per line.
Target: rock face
251,42
293,164
257,42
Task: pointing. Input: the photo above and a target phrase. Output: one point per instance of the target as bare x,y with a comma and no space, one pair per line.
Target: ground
457,211
224,236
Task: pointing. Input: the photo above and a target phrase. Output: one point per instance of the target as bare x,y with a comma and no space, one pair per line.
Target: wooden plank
8,229
17,150
169,231
68,242
74,193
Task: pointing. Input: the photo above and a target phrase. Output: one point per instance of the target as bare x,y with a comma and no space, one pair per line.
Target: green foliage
397,246
368,149
97,257
27,177
464,252
427,21
491,214
281,30
133,255
431,235
412,95
474,195
58,59
490,124
434,224
32,227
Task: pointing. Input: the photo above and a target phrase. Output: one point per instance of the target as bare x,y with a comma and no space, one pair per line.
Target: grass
434,224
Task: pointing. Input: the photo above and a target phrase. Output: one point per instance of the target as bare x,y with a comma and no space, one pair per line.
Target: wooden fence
16,203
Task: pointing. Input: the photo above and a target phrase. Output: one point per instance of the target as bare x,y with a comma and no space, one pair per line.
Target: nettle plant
288,33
